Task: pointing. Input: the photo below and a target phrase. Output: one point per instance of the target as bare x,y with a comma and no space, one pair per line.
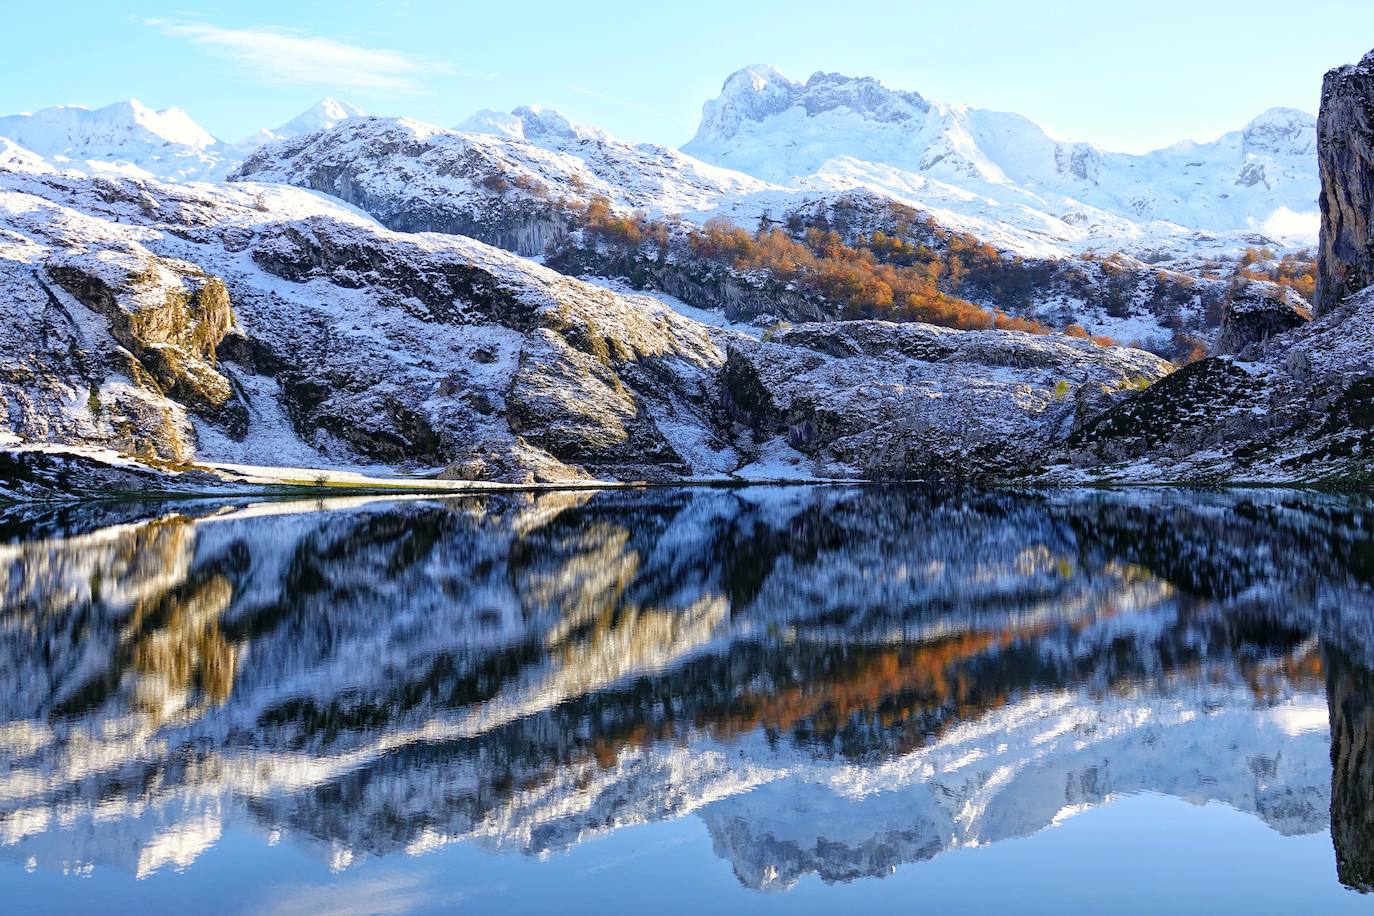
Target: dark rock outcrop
1345,150
1258,311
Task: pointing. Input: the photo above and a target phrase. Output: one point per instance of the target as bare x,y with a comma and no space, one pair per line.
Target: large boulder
1345,151
1256,312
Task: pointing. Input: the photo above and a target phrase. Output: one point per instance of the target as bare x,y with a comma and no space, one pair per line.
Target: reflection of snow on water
837,680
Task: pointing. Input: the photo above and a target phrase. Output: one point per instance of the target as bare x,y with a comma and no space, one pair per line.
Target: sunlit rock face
838,681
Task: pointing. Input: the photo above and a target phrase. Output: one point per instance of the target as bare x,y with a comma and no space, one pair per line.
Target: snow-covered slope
125,137
404,171
1295,406
265,324
1005,178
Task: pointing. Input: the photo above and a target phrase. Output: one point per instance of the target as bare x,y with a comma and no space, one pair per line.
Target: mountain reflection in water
837,681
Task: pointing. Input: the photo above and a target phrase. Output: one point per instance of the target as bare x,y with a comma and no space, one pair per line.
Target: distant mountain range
997,175
132,139
1004,177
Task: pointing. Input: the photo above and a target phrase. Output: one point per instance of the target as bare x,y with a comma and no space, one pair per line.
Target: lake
749,700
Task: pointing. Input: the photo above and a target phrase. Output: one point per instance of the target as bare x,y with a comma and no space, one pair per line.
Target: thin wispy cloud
278,57
610,98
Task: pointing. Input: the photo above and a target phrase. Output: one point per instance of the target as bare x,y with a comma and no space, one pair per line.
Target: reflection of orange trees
1271,679
884,686
894,699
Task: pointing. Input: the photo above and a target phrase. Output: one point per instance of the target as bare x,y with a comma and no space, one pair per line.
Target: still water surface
788,699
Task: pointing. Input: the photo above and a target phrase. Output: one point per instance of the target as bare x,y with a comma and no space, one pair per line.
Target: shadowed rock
1350,695
1345,150
1258,311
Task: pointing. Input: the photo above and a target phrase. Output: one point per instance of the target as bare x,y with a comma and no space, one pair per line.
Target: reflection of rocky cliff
1350,693
928,669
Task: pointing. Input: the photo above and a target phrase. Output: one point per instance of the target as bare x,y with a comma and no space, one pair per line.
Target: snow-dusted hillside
406,172
523,182
265,324
1007,180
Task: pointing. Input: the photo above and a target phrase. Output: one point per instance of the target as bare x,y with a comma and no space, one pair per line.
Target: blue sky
1127,75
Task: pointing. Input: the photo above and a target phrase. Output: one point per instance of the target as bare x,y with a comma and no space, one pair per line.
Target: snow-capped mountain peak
998,175
1006,178
1283,131
75,129
323,115
124,137
130,138
758,92
534,123
749,94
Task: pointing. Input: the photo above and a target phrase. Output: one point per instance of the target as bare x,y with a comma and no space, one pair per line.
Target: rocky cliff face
1345,151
